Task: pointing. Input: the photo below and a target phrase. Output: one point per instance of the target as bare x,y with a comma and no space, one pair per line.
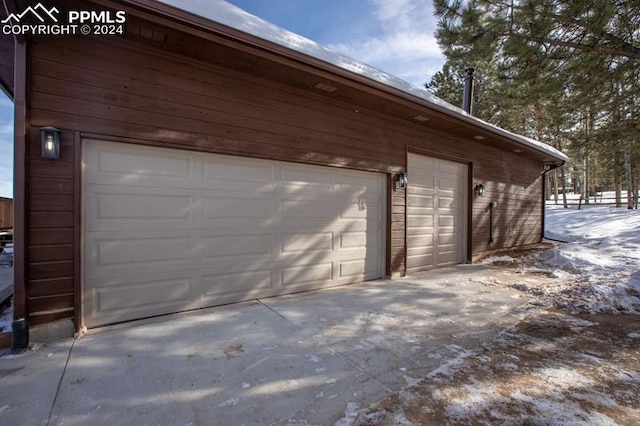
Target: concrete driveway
300,359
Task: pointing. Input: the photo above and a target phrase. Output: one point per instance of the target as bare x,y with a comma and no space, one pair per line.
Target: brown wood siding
398,250
120,90
6,213
515,184
49,234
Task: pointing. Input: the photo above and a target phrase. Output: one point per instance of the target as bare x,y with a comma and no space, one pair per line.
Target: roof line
222,13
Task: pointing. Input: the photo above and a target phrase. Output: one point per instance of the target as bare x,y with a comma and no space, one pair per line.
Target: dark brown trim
470,198
77,232
406,209
389,223
19,181
544,200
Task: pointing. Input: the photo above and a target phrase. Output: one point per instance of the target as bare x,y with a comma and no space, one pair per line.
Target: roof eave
191,19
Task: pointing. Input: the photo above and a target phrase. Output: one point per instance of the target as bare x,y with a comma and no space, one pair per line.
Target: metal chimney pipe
467,97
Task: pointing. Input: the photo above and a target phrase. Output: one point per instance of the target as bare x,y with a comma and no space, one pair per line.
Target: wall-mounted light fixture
50,143
402,180
479,189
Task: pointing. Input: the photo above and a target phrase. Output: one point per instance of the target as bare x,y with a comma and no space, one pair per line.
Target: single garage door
436,213
168,230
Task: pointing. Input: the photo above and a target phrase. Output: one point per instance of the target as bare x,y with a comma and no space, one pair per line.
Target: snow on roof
232,16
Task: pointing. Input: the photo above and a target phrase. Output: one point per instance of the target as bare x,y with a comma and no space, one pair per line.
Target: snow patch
229,402
497,259
6,319
350,414
565,377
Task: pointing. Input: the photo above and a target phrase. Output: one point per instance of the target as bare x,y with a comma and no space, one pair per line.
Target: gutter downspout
19,326
547,169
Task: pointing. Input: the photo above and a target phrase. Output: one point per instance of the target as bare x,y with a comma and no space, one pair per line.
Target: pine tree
574,66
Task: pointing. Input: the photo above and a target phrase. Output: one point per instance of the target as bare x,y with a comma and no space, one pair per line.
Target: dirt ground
554,367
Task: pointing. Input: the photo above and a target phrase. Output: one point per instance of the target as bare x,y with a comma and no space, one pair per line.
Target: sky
6,146
395,36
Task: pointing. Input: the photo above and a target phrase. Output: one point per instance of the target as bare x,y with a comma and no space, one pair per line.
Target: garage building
209,157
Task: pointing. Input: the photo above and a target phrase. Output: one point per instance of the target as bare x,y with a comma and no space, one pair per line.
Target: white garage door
168,230
436,213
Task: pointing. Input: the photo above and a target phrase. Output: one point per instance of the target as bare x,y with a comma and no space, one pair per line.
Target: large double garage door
168,230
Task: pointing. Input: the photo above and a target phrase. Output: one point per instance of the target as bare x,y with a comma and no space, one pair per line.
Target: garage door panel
421,220
446,221
420,260
361,210
239,285
233,228
359,268
306,275
448,167
238,244
236,171
420,240
317,178
137,206
356,239
137,250
307,242
448,257
144,167
420,201
450,203
309,209
224,207
451,238
422,183
113,297
352,185
106,256
132,165
347,225
444,182
157,292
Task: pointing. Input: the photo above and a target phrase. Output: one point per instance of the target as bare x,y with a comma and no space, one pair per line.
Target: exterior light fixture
50,143
402,180
479,189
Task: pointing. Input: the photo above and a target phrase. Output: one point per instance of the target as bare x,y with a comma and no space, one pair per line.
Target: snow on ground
599,265
602,257
6,319
574,358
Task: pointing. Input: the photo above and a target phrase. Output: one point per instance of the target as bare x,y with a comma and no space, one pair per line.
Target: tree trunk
555,185
627,163
634,183
616,178
564,188
585,177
